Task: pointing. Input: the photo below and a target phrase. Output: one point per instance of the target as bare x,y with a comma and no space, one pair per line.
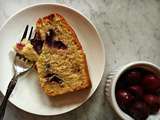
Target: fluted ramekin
113,77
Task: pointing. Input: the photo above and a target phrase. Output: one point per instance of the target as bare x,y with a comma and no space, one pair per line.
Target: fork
21,66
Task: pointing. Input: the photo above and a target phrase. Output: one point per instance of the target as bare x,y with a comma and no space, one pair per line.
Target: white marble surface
130,30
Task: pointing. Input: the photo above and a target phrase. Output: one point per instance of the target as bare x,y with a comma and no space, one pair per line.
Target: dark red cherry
153,102
139,110
124,98
133,76
136,90
151,83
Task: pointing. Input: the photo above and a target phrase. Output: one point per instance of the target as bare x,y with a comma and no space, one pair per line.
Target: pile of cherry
138,93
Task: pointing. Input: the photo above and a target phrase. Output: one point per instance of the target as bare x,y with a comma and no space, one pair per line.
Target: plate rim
98,35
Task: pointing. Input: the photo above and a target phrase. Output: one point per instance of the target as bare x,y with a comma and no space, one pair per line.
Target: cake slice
62,65
60,60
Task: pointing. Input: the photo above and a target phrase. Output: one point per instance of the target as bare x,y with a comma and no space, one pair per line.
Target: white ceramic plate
27,94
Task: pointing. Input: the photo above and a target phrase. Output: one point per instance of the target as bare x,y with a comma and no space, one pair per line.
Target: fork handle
10,88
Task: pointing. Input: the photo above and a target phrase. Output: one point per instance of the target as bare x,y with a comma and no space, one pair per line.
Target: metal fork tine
35,35
17,55
30,34
25,33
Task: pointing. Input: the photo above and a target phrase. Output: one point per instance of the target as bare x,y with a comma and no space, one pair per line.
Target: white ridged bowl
112,79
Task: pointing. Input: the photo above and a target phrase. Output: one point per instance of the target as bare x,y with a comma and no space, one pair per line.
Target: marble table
130,30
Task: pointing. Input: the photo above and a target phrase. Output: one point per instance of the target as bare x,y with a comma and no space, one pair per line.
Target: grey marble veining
130,30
